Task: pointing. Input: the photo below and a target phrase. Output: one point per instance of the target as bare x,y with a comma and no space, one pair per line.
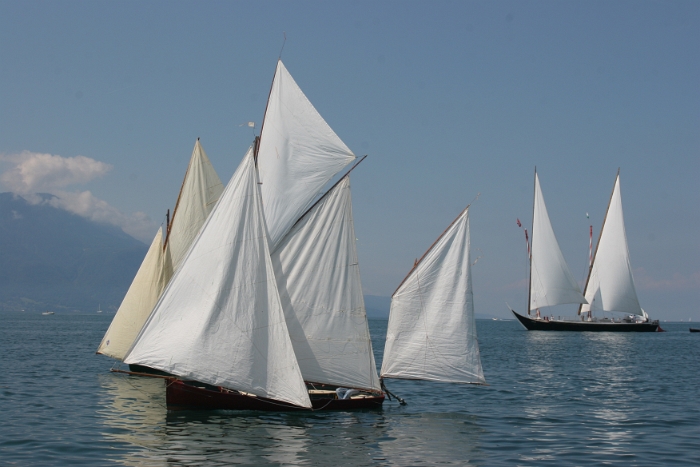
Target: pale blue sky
448,99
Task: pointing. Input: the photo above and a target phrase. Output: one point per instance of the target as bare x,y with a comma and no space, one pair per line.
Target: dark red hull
180,395
589,326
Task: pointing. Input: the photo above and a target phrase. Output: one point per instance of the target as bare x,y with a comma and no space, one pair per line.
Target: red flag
518,221
526,239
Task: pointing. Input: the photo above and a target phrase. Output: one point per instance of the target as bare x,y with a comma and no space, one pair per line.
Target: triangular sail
220,320
298,154
432,330
610,286
318,277
551,282
148,284
200,191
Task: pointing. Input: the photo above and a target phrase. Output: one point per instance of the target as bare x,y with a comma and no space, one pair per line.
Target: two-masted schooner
266,310
609,286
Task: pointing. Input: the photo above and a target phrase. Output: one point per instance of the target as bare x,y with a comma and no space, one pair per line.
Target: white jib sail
611,285
432,330
299,153
318,278
148,284
220,320
551,282
200,191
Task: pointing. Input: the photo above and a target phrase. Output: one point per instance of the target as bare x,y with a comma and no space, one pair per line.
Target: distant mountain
53,260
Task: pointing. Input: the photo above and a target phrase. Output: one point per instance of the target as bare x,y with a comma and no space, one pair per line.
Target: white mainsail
200,191
610,285
298,154
318,278
432,330
551,282
148,284
220,320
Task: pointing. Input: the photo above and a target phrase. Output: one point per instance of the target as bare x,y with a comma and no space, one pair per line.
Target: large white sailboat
266,310
431,333
609,287
199,193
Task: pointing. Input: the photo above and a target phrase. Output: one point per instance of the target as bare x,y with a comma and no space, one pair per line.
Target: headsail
432,329
551,282
148,284
318,276
200,191
220,320
298,154
610,285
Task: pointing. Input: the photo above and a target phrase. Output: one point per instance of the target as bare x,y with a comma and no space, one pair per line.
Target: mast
532,234
267,104
590,268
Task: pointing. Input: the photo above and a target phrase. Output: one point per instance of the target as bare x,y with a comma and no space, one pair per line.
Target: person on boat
538,314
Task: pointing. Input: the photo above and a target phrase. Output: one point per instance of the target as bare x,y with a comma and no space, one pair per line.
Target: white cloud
32,173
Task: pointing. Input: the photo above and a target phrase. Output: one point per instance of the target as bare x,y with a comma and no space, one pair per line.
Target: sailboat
99,310
431,333
609,286
266,310
200,190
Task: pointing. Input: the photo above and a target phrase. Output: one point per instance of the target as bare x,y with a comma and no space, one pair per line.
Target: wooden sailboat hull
587,326
191,395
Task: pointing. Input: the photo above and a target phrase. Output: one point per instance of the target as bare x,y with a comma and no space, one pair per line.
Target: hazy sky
101,103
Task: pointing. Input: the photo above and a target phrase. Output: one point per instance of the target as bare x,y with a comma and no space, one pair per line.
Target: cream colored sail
610,286
299,153
220,320
432,330
148,284
318,277
551,282
200,191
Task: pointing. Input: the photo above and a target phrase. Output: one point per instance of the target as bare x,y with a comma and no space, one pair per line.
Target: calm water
554,399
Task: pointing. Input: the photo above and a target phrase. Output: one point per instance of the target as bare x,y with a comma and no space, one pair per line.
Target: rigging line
283,42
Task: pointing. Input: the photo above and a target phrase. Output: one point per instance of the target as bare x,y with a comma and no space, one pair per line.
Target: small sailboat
431,333
266,310
200,190
99,310
47,313
609,286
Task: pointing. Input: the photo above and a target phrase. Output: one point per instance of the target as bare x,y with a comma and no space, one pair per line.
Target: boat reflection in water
145,433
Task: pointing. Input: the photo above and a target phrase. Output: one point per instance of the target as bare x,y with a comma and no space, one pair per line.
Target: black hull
190,395
694,330
585,326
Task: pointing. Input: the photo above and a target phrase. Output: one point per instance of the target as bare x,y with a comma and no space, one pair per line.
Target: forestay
610,286
318,277
551,282
432,330
220,320
298,154
148,284
200,191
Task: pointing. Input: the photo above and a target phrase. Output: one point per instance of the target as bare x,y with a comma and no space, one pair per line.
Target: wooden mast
532,235
590,268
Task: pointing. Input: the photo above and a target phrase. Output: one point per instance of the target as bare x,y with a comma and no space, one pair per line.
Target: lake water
553,399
